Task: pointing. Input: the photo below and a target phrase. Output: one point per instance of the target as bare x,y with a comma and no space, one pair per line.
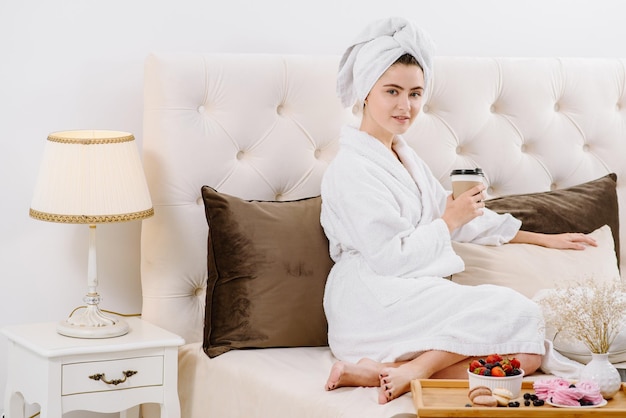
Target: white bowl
512,383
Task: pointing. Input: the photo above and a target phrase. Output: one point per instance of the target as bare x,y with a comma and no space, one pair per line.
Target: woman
392,316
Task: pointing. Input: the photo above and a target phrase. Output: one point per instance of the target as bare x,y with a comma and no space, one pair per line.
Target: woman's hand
464,208
565,241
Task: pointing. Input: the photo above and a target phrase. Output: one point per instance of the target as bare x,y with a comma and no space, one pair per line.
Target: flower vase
602,371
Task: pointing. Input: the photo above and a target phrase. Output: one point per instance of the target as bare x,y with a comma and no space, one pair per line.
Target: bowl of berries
496,372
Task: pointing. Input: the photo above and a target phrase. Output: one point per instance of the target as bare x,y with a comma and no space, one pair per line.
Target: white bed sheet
277,383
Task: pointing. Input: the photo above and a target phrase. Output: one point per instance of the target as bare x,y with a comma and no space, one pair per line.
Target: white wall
77,64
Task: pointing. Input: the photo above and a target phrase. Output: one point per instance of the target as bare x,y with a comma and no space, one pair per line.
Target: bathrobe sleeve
489,229
366,210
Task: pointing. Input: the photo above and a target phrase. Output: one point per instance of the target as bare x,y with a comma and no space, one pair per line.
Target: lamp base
91,322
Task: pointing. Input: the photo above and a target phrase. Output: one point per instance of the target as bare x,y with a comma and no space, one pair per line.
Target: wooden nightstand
64,374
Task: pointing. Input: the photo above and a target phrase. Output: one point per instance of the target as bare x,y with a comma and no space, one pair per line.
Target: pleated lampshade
90,177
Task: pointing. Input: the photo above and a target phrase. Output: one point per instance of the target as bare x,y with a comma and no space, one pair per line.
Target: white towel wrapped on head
376,49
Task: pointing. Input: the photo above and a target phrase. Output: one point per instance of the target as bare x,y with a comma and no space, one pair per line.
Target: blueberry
538,402
527,402
527,395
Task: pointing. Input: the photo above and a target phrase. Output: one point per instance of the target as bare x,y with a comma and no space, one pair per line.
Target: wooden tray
447,398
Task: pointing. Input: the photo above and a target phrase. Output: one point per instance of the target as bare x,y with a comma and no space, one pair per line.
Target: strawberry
480,370
515,363
474,364
493,358
498,372
507,368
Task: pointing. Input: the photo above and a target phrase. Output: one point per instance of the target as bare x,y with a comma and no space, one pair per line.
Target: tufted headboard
266,126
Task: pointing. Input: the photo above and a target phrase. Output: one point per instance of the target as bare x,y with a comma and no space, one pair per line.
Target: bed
259,130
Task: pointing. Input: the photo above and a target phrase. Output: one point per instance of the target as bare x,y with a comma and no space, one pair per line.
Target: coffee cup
464,179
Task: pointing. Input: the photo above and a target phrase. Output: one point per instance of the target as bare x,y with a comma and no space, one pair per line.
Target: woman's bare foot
396,381
364,373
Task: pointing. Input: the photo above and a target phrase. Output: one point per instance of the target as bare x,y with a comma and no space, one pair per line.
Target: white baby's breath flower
591,312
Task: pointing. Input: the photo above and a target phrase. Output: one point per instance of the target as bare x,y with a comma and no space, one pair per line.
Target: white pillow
529,268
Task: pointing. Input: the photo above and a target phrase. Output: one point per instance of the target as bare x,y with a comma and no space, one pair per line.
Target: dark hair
408,59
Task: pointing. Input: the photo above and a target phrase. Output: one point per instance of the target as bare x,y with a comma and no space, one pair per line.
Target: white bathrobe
387,297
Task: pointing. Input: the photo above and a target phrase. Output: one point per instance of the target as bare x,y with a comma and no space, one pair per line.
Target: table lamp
91,177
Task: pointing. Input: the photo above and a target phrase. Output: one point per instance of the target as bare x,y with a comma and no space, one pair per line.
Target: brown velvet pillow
267,266
582,208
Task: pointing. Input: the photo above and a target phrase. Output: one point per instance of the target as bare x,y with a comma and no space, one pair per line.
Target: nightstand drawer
99,376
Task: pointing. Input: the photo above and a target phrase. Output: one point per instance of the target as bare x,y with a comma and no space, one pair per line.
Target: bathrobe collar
412,172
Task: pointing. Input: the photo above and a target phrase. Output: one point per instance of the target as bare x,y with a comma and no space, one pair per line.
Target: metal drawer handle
101,376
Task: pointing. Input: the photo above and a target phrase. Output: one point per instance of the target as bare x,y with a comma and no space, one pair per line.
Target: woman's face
394,102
